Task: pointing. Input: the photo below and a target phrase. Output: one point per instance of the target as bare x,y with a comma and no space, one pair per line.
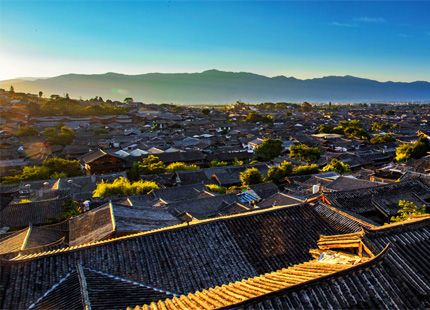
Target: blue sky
380,40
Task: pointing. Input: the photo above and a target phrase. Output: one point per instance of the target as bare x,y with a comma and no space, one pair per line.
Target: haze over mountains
215,86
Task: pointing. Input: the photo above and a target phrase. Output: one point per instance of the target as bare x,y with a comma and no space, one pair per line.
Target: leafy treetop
251,176
408,209
305,153
269,149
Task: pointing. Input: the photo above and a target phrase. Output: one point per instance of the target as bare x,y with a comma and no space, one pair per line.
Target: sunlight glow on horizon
385,41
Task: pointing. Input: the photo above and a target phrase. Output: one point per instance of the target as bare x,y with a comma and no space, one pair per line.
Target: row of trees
153,165
379,139
124,187
53,168
271,148
416,150
254,117
278,173
66,106
380,126
63,136
352,129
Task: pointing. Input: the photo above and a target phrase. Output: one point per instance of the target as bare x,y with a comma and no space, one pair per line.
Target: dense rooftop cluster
203,238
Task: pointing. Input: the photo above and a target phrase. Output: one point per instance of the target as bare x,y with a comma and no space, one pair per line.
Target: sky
381,40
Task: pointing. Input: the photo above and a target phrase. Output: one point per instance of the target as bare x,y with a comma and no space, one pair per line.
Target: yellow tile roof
230,294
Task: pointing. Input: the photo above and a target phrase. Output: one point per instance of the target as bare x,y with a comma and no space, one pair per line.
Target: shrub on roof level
216,188
53,168
276,174
306,169
71,209
408,209
124,187
417,150
269,149
27,131
216,163
180,166
237,162
149,165
251,176
337,165
304,152
382,139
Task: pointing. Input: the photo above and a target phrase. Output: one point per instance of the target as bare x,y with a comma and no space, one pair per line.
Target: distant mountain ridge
214,86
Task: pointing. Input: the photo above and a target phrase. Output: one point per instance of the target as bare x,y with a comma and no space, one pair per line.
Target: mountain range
214,86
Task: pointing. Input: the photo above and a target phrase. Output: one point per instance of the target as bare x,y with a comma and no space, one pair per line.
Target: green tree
325,129
239,105
216,163
306,107
417,150
180,166
351,124
378,139
71,168
305,170
421,147
305,153
251,176
253,117
408,209
354,132
276,174
149,165
12,89
33,108
49,132
267,119
124,187
338,166
236,189
206,111
70,209
26,131
65,137
216,188
40,94
128,100
379,126
59,125
32,173
237,162
269,149
404,152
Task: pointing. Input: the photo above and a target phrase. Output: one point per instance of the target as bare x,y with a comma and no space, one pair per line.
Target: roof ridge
345,214
394,184
83,287
250,289
129,281
13,234
173,227
393,226
52,288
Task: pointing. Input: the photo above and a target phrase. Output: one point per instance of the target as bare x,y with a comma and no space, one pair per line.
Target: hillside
215,86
